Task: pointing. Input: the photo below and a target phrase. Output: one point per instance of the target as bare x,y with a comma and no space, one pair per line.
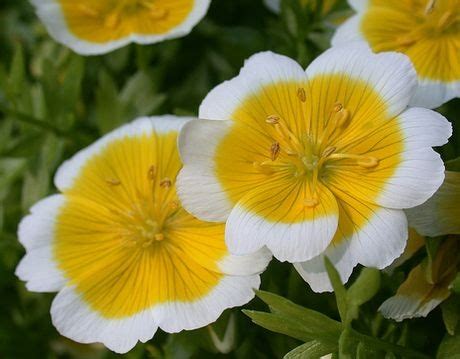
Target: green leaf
317,324
311,350
339,289
450,347
451,313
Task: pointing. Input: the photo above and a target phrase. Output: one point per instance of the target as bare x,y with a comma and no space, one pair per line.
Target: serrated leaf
311,350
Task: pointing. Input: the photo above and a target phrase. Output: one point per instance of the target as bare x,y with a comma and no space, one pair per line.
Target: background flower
122,252
96,27
314,163
428,31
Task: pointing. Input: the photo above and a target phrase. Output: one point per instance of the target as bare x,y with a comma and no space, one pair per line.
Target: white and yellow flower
96,27
428,31
120,249
427,285
316,162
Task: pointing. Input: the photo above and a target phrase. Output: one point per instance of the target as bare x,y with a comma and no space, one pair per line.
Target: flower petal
390,74
276,216
38,268
368,235
51,14
74,319
440,215
348,32
197,186
71,169
258,71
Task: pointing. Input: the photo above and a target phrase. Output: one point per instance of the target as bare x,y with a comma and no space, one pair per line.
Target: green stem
385,346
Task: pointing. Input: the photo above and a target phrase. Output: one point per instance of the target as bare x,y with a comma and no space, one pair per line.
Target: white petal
348,32
400,307
49,12
432,94
70,169
36,233
376,245
259,70
74,319
232,291
253,263
199,190
359,5
247,232
390,74
421,171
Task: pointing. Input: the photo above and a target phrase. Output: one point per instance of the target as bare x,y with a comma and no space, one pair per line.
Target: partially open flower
426,286
428,31
316,162
95,27
121,251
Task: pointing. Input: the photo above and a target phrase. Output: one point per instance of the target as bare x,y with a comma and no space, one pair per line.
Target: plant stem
385,346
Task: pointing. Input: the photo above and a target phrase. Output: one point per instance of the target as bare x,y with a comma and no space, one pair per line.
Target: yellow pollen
337,107
151,173
275,151
166,182
174,204
301,94
113,181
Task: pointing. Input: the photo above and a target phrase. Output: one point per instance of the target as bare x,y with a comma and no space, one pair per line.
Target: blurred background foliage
53,103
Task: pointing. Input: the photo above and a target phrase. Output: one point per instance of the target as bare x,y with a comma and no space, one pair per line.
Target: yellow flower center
108,20
309,157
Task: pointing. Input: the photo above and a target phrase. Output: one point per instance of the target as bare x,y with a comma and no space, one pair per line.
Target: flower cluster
167,221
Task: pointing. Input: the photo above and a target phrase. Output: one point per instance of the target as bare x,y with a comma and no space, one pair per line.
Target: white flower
314,163
121,251
96,27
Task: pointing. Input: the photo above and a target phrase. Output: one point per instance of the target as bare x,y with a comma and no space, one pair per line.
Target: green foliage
54,103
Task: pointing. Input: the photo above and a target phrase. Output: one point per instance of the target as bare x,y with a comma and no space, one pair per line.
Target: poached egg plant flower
316,162
121,251
96,27
428,31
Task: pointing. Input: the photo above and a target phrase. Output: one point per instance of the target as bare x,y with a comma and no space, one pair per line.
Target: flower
121,251
427,285
314,163
97,27
428,31
440,215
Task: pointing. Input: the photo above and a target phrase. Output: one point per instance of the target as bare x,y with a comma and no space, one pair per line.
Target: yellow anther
174,204
368,162
301,94
445,19
430,6
328,151
311,202
262,169
272,119
159,237
113,181
151,173
166,182
342,117
275,151
337,107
